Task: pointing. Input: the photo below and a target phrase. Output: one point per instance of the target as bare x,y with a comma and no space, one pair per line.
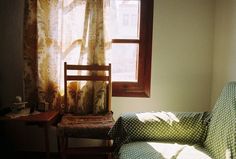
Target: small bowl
18,106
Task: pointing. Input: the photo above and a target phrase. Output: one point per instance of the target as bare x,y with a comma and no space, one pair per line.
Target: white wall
182,59
224,58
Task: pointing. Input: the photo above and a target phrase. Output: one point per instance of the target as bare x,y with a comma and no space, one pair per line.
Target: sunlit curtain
64,30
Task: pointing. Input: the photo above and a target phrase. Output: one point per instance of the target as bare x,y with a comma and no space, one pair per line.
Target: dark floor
40,155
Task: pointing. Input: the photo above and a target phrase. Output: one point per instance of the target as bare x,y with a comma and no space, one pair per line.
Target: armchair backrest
221,136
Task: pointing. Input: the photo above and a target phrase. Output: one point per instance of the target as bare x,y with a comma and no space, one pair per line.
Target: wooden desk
44,119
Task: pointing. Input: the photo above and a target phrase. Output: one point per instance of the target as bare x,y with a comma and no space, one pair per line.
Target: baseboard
30,154
53,155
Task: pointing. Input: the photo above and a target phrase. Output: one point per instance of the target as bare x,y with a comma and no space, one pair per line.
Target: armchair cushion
158,150
185,127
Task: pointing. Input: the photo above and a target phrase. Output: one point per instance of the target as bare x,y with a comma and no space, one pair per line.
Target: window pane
72,22
124,62
125,19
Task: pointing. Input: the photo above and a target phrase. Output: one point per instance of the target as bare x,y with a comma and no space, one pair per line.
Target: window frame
141,88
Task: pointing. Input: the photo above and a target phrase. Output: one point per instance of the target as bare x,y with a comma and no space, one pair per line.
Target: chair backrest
221,136
92,75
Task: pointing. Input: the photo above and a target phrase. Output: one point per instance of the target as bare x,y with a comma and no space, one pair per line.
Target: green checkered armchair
181,135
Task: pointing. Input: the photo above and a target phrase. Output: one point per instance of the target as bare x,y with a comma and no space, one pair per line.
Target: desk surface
41,117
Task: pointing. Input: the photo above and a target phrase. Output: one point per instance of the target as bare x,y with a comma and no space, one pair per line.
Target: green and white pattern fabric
187,127
221,137
157,150
146,135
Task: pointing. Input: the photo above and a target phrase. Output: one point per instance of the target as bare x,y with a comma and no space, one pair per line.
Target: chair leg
58,145
109,145
66,142
61,147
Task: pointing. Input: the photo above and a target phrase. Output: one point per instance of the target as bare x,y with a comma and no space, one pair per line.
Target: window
131,34
131,48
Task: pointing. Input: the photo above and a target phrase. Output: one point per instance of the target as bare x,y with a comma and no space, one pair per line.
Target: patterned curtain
64,30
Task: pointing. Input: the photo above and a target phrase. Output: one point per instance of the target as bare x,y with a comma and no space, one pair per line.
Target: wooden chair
88,126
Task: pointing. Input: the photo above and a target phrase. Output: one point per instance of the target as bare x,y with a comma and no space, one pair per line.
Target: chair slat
87,78
87,67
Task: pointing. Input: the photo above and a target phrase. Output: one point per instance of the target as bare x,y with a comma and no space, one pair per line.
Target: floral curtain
64,30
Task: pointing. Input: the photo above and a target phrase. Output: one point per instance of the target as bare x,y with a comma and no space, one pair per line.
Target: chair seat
89,126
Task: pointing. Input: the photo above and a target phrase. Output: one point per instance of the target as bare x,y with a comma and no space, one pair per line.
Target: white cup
18,99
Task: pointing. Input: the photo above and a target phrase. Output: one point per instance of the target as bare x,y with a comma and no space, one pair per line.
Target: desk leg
47,150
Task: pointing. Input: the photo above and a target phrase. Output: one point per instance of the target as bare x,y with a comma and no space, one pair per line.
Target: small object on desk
18,99
32,108
18,104
43,106
23,112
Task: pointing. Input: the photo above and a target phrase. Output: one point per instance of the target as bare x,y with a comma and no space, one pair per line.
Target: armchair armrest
187,127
